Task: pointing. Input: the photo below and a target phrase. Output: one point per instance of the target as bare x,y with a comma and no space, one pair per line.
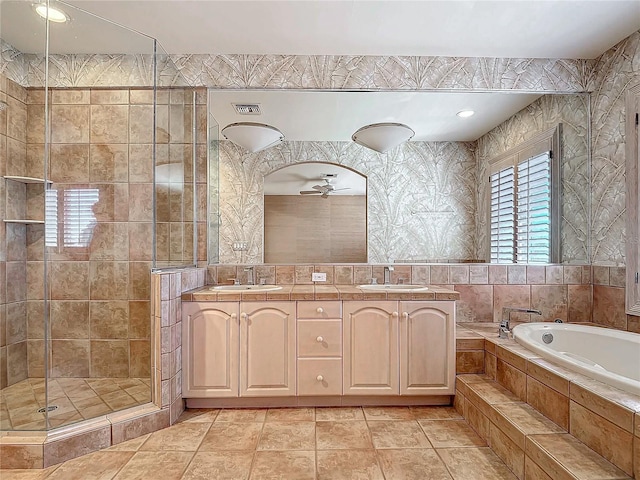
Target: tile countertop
316,292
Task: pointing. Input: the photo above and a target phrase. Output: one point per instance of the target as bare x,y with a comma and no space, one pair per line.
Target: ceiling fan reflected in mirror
325,189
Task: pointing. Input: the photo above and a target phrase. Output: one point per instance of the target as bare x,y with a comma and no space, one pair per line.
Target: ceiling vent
247,108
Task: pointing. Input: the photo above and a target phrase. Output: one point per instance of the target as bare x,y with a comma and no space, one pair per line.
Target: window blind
533,243
503,215
79,220
51,218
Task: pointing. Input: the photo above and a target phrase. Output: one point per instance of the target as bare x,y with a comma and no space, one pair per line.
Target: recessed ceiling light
465,113
52,13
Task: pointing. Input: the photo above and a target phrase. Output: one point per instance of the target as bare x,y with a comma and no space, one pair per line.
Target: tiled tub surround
545,421
574,293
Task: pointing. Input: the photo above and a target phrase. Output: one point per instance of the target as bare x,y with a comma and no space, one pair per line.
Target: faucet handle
234,280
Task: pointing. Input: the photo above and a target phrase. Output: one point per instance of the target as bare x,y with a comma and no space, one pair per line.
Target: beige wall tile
536,368
109,319
69,163
16,114
70,96
108,163
109,358
69,280
139,280
554,274
439,274
478,420
607,439
600,275
533,472
70,358
478,274
17,287
536,274
109,123
608,306
15,323
109,280
17,362
605,407
72,447
475,304
110,241
580,303
140,358
516,274
140,202
35,358
108,96
21,456
510,296
134,428
70,123
490,365
508,451
471,361
547,401
69,319
551,300
139,319
513,379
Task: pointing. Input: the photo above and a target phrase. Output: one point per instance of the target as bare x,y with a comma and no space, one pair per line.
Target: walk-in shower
98,149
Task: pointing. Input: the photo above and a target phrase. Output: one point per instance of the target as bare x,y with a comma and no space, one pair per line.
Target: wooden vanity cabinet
370,348
210,336
267,349
319,348
427,348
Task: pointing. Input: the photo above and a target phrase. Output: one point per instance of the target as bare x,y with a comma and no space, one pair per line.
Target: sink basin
394,288
246,288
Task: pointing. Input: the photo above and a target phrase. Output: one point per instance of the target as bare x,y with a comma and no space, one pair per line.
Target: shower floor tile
76,399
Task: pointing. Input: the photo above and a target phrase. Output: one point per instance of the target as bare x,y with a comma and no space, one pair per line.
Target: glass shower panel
99,226
213,196
22,190
175,161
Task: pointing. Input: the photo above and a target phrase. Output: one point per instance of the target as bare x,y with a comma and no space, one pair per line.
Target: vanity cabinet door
427,348
210,345
370,346
267,349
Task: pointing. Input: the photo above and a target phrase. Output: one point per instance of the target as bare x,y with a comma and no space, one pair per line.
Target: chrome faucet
504,329
249,270
387,274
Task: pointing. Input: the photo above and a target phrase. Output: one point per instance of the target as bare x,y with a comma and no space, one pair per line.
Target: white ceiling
335,116
536,29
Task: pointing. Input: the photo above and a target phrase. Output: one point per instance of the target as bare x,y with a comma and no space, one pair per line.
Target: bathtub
607,355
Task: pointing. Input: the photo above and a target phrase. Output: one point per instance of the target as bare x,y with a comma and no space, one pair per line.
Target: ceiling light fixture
382,137
253,137
465,113
50,13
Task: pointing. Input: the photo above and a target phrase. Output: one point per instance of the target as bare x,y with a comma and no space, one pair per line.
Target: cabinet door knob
319,378
319,339
320,310
405,315
234,316
394,314
243,316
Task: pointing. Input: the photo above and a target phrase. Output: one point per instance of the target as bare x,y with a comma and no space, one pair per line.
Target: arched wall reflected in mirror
315,212
427,199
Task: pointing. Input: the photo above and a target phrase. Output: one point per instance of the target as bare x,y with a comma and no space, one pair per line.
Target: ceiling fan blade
319,187
309,192
343,188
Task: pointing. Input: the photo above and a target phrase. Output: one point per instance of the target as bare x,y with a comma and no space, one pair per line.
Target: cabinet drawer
319,338
319,310
319,376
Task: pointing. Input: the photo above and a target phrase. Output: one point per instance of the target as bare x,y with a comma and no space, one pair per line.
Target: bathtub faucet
503,330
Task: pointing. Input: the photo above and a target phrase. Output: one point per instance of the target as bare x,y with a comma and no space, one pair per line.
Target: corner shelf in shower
25,222
26,180
16,178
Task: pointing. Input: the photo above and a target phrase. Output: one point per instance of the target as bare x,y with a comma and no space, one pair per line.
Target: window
525,202
76,211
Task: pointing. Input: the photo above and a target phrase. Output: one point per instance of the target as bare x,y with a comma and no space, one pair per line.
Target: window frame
546,141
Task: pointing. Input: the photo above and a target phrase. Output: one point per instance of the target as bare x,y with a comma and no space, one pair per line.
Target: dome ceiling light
253,137
382,137
465,113
53,14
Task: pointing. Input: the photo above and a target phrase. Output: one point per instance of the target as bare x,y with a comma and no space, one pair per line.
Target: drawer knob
319,378
243,316
319,339
394,314
320,310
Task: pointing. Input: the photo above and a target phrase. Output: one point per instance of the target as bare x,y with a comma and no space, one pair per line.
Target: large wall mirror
426,199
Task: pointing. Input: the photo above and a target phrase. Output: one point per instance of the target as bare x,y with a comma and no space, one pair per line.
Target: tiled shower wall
13,236
101,139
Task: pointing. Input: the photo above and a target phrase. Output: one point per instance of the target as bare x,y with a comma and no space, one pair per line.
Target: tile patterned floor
76,398
390,443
